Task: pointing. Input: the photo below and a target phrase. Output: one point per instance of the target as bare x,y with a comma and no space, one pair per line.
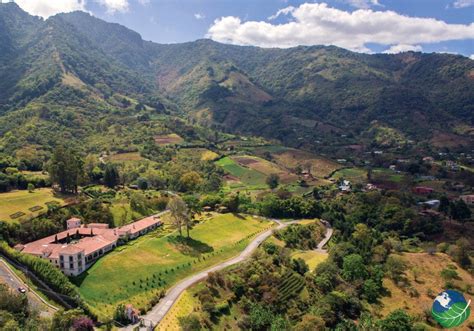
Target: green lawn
134,273
248,177
20,202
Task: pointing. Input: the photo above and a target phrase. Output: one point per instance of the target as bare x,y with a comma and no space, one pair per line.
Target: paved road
158,312
8,277
327,237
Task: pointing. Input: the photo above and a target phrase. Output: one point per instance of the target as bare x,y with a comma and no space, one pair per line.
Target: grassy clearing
168,139
428,268
185,305
21,201
134,273
125,157
355,175
311,258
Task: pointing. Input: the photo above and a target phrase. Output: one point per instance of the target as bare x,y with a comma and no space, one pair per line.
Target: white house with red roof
75,249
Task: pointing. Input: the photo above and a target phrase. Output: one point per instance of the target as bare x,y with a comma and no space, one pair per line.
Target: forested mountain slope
72,71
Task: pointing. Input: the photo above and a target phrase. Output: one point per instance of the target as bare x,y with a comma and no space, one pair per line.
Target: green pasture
136,272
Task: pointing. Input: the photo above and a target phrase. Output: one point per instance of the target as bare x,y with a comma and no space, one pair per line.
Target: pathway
35,301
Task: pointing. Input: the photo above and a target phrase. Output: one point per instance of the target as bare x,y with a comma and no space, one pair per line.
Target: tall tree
111,175
66,169
179,213
273,180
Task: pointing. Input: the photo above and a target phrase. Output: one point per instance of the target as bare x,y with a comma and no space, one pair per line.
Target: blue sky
359,25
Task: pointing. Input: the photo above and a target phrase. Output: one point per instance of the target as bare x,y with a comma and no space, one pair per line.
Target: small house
468,199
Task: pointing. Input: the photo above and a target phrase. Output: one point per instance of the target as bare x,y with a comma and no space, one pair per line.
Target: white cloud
363,4
114,5
463,3
319,24
199,16
284,11
46,8
400,48
471,57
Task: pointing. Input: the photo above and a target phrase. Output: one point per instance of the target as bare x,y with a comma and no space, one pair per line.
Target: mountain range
73,76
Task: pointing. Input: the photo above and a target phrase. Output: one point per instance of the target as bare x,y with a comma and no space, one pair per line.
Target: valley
209,186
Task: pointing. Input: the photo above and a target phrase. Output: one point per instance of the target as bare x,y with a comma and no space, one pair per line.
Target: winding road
158,312
36,302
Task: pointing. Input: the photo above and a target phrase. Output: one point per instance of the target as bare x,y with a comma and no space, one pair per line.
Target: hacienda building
75,249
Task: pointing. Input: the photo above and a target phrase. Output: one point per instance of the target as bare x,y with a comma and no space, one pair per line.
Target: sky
369,26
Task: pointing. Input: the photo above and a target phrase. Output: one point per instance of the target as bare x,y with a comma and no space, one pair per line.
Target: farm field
168,139
241,176
202,154
125,157
354,175
21,201
185,305
291,158
428,280
265,167
134,273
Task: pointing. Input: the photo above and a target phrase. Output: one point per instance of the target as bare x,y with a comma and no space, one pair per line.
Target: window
62,265
70,258
71,266
61,258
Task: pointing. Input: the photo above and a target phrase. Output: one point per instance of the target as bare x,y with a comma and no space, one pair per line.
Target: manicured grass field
354,175
20,201
248,177
135,273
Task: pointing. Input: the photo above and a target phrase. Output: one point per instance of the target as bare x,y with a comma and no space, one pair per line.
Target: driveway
158,312
8,277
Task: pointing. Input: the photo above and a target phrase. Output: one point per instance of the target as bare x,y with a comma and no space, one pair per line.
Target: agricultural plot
354,175
202,154
265,167
319,166
136,272
22,203
168,139
125,157
185,305
291,286
388,179
241,176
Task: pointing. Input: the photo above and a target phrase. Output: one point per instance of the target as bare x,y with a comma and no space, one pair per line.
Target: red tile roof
94,239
